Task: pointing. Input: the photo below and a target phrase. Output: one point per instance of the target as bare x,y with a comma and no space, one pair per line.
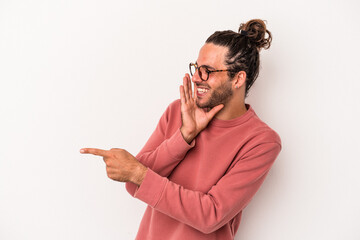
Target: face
218,88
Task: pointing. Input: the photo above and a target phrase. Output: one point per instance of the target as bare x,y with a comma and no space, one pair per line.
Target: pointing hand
120,164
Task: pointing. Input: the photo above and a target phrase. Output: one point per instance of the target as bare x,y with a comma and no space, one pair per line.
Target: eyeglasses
204,71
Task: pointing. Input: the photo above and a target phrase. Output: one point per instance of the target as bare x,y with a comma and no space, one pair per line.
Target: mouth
201,91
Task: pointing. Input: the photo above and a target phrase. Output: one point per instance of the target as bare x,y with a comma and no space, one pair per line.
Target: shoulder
262,143
175,104
171,118
262,133
173,108
267,134
257,132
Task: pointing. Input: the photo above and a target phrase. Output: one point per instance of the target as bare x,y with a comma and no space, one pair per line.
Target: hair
243,48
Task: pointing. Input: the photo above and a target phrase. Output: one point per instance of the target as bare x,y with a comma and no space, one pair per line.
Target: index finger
95,151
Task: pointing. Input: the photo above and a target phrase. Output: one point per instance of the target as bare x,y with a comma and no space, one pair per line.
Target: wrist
187,135
139,174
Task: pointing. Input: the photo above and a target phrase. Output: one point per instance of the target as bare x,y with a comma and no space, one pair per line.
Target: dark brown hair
243,48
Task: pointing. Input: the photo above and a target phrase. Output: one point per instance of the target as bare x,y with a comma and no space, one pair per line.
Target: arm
209,211
161,153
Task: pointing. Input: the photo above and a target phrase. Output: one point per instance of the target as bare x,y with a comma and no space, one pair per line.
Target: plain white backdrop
99,74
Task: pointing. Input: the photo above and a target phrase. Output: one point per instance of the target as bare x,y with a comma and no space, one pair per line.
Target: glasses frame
207,70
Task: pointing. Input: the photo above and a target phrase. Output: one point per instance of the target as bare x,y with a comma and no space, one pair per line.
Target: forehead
212,55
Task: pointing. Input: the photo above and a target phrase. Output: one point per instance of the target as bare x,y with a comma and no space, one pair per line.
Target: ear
240,79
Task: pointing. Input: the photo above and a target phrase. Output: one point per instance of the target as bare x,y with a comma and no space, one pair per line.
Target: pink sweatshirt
198,191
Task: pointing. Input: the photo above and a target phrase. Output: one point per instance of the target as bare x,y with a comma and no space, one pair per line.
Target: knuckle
116,150
120,151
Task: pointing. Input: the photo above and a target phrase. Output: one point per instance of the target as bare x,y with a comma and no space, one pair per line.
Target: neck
231,110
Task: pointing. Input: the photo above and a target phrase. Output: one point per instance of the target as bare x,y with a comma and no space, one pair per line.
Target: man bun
255,31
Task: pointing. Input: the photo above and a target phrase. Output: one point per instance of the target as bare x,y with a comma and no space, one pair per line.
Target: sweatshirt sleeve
209,211
161,154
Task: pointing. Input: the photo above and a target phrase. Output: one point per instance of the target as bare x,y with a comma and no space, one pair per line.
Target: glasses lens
203,73
192,69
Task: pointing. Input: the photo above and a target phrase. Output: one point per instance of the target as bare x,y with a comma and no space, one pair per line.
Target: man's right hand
194,119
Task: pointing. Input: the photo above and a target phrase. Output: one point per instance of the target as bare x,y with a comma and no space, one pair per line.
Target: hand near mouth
194,119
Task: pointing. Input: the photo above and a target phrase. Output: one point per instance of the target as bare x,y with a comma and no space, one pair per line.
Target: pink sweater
198,191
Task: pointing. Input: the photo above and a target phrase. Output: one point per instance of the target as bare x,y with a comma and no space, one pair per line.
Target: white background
99,74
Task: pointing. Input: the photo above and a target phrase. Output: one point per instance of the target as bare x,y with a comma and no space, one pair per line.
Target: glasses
204,71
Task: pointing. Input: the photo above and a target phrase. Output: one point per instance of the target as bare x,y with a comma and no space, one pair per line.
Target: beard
219,95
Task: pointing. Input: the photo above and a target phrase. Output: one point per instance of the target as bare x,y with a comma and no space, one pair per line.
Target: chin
205,105
201,104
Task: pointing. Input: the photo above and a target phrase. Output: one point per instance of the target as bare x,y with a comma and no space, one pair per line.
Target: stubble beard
220,95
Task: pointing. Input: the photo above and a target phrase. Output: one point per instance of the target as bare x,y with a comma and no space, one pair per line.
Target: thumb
215,110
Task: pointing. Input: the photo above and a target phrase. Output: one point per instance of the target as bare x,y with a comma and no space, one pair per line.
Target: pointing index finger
95,151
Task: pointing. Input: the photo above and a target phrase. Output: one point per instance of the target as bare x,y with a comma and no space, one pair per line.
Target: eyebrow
205,65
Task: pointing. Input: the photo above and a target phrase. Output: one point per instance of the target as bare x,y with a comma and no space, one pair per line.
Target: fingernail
82,150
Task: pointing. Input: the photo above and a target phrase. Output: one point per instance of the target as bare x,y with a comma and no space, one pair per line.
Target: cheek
212,83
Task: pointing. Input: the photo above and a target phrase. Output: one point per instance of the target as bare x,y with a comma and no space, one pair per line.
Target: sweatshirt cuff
177,145
151,189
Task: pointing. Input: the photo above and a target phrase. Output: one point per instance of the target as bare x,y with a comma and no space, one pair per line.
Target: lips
201,91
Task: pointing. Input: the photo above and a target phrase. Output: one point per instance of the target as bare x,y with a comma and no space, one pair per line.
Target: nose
196,78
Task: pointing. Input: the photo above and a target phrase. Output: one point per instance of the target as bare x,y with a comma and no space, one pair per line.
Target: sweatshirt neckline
236,121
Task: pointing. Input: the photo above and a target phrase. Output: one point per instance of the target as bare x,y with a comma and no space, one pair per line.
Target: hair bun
255,31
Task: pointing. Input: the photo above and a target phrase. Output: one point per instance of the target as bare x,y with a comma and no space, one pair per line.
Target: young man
210,152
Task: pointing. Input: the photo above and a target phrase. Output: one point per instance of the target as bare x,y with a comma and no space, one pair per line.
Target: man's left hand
120,164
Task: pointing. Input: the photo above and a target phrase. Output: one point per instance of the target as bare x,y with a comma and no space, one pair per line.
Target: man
210,152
